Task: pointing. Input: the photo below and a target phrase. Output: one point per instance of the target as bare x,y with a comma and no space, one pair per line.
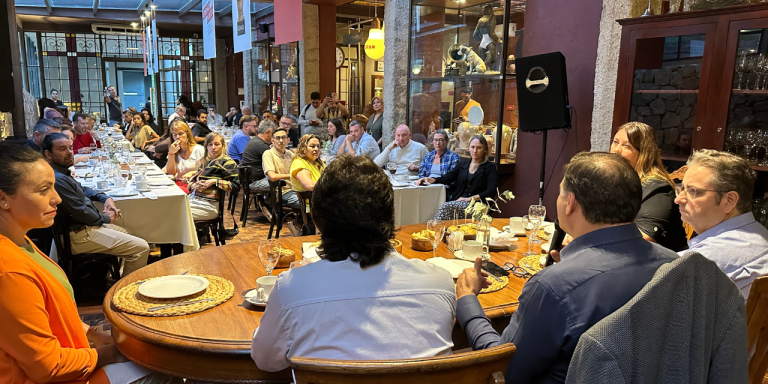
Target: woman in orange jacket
41,336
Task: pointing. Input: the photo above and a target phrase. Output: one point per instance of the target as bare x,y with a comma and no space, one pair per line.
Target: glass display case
275,77
459,61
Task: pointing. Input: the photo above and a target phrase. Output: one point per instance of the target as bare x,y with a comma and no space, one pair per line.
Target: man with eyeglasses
277,164
287,122
714,200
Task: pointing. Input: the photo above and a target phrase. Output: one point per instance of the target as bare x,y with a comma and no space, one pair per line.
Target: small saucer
102,190
460,255
250,297
144,190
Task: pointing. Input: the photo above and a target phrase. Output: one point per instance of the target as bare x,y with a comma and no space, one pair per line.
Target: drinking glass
269,253
124,175
93,147
537,211
742,65
131,159
392,168
438,227
530,224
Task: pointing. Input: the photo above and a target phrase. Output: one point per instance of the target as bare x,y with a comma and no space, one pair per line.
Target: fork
183,303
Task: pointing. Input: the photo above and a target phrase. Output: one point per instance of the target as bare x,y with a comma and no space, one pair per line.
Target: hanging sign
150,57
144,50
288,21
241,24
209,30
156,60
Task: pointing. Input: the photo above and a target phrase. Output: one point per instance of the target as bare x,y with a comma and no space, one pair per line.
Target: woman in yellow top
140,134
42,338
307,167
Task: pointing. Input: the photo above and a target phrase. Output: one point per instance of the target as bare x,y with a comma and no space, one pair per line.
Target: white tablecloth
164,220
415,205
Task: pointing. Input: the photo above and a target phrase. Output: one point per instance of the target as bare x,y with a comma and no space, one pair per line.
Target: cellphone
494,269
330,94
556,243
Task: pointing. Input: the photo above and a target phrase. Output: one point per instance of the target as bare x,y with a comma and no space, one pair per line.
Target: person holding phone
308,120
114,106
330,108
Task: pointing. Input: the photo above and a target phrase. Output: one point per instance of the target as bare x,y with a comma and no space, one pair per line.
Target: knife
184,303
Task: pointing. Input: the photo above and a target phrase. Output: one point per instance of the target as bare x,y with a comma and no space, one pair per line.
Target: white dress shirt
396,309
413,152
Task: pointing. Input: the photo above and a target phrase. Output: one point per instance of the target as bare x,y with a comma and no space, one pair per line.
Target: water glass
531,225
269,253
438,227
540,212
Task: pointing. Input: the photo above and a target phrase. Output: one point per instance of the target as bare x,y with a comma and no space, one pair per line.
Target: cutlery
494,276
525,264
182,304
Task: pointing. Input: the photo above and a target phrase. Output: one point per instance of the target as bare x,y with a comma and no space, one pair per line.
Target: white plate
400,184
102,190
137,154
475,115
414,178
124,194
549,227
144,190
545,248
460,255
169,287
252,297
142,161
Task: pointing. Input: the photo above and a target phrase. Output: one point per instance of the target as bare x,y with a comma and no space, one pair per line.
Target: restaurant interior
384,191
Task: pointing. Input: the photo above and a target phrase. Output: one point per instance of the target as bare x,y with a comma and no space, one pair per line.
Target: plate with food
422,240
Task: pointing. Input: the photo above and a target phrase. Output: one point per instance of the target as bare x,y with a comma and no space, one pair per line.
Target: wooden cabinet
700,79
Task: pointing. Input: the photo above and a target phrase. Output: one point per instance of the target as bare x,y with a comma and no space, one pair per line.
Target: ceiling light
142,17
153,6
147,13
134,24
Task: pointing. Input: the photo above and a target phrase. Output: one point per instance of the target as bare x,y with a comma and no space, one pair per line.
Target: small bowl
421,245
286,257
398,245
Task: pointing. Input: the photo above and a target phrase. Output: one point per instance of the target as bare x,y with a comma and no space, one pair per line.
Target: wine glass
741,68
269,253
93,147
124,175
530,224
537,211
392,167
438,227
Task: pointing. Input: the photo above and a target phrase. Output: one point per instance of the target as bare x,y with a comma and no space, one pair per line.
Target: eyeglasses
691,192
516,271
279,138
439,140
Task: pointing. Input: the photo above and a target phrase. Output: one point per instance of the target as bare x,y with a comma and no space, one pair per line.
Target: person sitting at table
140,134
213,117
200,129
151,121
362,300
127,121
233,116
715,200
277,165
605,266
338,134
214,176
472,180
306,166
71,136
83,138
42,338
179,113
659,217
441,160
403,151
253,153
358,142
91,231
248,129
184,154
42,128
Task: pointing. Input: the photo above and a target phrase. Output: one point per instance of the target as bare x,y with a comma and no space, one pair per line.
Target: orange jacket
41,336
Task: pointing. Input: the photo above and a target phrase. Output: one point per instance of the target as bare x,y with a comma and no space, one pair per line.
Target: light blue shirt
237,145
738,246
367,147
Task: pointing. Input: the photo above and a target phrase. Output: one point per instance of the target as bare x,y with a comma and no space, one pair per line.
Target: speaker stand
543,164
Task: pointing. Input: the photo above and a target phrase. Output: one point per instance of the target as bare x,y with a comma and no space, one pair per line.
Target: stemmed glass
93,148
438,227
124,175
392,167
539,212
530,224
131,159
741,68
269,253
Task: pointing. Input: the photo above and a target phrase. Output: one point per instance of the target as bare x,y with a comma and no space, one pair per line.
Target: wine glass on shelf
530,224
436,229
269,253
741,68
537,211
392,168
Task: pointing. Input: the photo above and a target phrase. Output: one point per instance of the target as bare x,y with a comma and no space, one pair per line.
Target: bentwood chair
216,225
307,225
75,265
477,367
280,213
757,330
244,175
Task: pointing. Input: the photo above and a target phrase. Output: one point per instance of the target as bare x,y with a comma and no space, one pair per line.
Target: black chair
244,175
307,225
74,264
216,225
279,213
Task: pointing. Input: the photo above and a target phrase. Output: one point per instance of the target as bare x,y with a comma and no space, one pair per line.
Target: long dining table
215,345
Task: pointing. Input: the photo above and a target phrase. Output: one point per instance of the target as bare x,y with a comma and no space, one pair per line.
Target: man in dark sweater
253,152
43,127
200,129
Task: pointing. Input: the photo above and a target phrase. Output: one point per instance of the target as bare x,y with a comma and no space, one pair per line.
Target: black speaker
542,92
263,27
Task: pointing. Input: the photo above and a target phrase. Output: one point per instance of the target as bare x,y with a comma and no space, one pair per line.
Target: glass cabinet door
670,69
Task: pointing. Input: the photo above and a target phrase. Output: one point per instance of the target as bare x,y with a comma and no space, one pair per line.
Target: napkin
455,267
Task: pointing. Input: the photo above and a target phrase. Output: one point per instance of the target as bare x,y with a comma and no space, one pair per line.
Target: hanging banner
288,21
241,24
150,57
156,60
209,30
144,50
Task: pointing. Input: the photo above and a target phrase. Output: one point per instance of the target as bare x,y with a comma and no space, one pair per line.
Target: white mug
102,184
401,178
473,249
265,285
142,185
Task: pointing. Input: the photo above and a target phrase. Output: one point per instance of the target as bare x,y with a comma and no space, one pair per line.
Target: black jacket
659,216
77,201
483,182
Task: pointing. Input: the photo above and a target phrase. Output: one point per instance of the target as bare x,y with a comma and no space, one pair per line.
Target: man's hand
111,209
413,167
555,253
392,145
314,123
472,280
100,338
349,139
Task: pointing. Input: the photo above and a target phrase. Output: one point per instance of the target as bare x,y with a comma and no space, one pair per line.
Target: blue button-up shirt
448,160
739,246
367,147
598,273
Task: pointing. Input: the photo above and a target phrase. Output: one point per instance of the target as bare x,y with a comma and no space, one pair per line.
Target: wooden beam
188,7
95,6
226,11
141,7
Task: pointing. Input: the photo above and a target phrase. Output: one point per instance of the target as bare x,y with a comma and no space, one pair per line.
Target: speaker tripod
543,164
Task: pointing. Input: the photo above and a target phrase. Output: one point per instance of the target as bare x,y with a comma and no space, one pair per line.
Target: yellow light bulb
374,46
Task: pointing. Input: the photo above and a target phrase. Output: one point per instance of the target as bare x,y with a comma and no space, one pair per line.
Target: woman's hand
425,180
465,199
174,148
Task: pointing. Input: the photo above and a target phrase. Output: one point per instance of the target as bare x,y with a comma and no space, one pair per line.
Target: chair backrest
276,192
476,367
757,329
305,200
60,229
244,176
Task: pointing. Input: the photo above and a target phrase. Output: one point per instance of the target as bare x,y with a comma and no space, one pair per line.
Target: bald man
404,152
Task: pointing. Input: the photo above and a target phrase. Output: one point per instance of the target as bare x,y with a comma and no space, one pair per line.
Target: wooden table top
214,345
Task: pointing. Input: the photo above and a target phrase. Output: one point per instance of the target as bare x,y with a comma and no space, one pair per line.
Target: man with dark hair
605,266
462,107
83,138
248,129
364,300
42,128
331,108
359,142
233,116
288,122
276,163
308,120
114,106
91,231
200,129
715,200
214,117
253,152
268,115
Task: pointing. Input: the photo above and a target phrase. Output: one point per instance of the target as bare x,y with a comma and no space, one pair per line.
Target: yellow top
297,165
465,111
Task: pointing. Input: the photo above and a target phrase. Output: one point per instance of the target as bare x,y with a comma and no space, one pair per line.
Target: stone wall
309,51
397,20
748,111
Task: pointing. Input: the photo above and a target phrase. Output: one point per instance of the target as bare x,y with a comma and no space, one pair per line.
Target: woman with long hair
307,166
376,120
140,134
338,133
659,217
214,176
150,119
472,180
184,154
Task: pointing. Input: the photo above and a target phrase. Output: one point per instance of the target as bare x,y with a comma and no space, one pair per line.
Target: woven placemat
534,262
128,299
496,285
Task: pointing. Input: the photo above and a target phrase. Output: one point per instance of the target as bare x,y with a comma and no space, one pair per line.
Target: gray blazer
687,325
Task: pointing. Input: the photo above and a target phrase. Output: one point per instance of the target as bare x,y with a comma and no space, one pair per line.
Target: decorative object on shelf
506,139
6,125
460,53
511,64
464,133
374,46
712,4
293,69
485,31
648,11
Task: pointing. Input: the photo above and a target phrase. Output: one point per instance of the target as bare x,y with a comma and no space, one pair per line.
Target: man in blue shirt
359,143
715,201
601,269
248,129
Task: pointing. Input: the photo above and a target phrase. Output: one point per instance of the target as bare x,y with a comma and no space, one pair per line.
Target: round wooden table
215,345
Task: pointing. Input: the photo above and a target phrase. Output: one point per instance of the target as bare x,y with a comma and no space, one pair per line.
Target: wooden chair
244,176
73,264
216,225
279,212
307,225
757,330
476,367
